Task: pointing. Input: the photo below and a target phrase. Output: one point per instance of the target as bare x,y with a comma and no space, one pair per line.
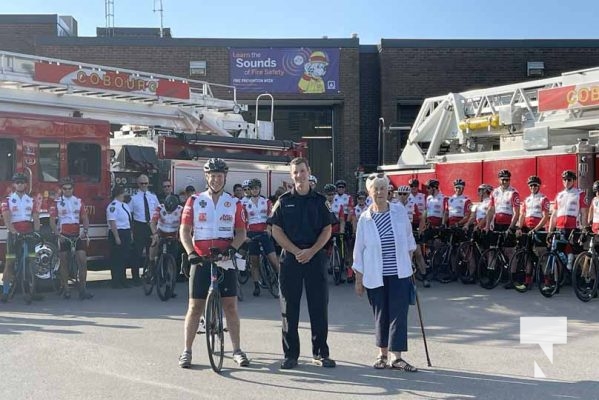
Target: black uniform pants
293,277
142,237
118,255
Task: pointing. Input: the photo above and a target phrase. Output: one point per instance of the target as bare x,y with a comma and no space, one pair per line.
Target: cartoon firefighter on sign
316,67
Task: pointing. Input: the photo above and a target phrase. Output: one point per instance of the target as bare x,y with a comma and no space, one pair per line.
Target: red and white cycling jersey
21,210
69,211
457,208
419,199
595,204
167,222
346,201
358,210
257,213
533,208
413,213
568,204
504,201
481,210
212,222
435,207
338,212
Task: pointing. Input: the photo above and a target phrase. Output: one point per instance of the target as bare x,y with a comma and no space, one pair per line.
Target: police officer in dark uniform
302,226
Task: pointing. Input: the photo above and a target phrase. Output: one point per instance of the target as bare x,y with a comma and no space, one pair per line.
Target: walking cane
428,359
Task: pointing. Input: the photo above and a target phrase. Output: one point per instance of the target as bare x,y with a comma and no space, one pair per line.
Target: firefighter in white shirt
257,210
166,220
21,215
142,204
212,219
68,217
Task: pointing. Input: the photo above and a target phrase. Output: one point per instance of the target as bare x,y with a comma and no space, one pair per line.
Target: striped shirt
382,221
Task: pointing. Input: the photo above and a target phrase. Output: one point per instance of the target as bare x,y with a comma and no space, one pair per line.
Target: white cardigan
368,253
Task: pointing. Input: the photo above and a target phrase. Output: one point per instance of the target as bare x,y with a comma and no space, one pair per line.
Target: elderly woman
382,254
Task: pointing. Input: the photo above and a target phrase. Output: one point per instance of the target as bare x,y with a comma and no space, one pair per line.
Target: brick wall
20,38
370,105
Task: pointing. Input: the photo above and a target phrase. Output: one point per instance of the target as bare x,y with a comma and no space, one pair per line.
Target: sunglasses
505,179
402,194
533,185
67,188
568,179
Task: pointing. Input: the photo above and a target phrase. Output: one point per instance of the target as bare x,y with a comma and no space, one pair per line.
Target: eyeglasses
67,188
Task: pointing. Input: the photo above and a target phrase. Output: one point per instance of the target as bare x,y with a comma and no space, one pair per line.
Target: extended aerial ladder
539,115
48,86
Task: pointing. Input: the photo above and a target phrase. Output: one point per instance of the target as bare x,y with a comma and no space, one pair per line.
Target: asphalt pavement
124,345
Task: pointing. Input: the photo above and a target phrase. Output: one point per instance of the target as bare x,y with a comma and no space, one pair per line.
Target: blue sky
371,20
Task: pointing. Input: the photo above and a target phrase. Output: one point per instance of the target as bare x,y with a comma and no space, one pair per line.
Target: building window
7,155
197,68
84,162
49,158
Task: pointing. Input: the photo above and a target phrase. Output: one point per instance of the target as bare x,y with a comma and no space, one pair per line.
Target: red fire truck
539,128
104,126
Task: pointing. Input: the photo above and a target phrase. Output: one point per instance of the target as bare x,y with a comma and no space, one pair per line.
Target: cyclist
21,215
165,223
67,217
504,211
480,210
415,218
391,194
359,208
436,203
343,198
415,196
593,217
534,215
245,185
569,205
313,181
257,210
238,191
212,218
458,208
338,218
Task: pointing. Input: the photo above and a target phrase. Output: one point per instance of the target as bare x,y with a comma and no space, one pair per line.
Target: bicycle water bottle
563,258
570,261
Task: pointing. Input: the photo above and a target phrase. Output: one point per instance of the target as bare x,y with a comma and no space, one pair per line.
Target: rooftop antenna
109,14
160,10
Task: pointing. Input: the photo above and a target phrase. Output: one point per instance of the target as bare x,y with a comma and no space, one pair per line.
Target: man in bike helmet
480,210
257,210
212,219
416,196
21,216
534,215
436,203
166,221
359,208
68,218
313,181
246,188
459,206
593,218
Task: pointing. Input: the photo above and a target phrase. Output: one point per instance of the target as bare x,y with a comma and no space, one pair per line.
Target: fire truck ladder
194,110
458,121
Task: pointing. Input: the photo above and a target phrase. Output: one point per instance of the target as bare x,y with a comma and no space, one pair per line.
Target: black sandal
381,362
402,365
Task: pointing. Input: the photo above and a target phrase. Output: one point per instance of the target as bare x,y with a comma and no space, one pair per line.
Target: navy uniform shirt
302,218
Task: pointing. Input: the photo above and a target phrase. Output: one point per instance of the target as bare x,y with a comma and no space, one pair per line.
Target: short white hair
376,178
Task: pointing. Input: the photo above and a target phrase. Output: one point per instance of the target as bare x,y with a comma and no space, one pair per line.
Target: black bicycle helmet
361,193
329,188
340,182
534,180
403,189
567,174
432,183
19,177
485,188
596,187
170,203
66,181
216,165
504,173
255,183
413,182
459,182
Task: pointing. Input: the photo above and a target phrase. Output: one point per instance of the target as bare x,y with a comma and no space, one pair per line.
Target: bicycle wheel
215,336
243,276
464,260
148,278
584,276
269,277
490,269
165,270
523,262
548,275
336,266
441,261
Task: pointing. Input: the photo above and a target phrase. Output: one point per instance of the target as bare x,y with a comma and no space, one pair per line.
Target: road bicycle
493,262
24,276
444,258
335,263
585,271
269,278
550,274
165,270
525,259
467,258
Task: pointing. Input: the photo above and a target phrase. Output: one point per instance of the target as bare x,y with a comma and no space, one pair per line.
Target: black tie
146,207
128,215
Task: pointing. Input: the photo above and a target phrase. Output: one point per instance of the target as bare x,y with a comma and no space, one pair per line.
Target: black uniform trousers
293,277
142,237
118,255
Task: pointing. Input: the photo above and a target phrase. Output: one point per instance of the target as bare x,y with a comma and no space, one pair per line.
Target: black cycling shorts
199,282
260,238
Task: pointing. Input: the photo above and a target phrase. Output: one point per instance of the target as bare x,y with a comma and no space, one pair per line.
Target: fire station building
335,94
